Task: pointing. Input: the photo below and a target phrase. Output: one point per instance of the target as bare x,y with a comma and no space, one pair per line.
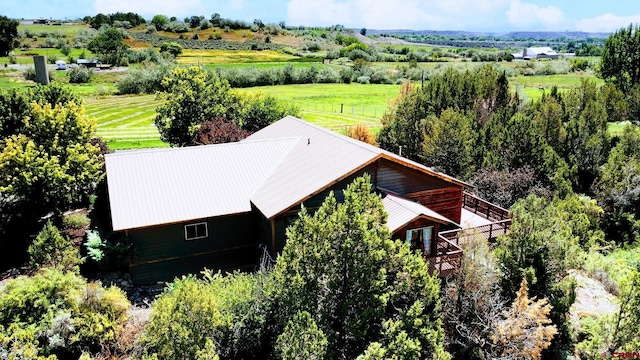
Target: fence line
343,108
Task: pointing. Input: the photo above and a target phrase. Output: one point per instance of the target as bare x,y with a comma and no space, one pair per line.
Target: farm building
212,206
534,53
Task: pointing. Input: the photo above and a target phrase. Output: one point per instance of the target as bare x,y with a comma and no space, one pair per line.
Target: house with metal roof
533,53
216,206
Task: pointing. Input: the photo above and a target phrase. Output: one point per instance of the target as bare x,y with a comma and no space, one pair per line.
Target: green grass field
68,30
126,122
336,106
532,87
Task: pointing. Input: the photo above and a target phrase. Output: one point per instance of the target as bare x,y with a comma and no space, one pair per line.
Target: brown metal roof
320,159
152,187
276,168
402,211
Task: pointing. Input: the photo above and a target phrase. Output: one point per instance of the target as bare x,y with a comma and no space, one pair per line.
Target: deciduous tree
194,96
110,45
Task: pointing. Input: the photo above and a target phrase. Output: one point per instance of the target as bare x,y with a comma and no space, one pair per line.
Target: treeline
468,125
568,44
533,158
126,20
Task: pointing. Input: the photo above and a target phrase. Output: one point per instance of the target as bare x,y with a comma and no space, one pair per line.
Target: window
195,231
420,239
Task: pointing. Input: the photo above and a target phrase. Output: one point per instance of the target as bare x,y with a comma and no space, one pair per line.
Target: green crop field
125,122
68,30
190,56
266,65
336,106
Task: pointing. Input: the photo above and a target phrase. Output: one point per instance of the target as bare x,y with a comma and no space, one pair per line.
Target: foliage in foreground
341,282
47,163
51,249
359,286
56,313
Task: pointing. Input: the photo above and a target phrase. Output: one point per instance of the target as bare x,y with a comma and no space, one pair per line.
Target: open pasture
336,106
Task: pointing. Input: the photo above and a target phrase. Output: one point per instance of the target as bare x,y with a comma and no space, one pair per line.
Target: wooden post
42,76
341,108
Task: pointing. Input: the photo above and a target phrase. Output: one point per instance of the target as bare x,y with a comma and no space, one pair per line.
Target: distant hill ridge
511,34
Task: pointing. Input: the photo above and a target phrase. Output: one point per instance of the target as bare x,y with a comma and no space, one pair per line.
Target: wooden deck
451,243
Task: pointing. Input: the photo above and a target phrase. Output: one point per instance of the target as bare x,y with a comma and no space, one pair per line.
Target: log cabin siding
160,253
445,201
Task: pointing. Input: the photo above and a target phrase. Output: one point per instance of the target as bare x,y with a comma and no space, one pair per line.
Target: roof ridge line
275,166
183,148
356,142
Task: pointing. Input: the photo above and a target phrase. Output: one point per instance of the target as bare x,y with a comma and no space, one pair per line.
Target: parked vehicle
61,65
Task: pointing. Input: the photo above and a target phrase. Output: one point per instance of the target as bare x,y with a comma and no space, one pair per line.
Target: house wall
403,180
446,201
400,234
436,194
161,253
312,204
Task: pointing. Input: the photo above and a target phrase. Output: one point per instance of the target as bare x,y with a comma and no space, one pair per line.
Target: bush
30,74
94,246
312,46
172,48
52,59
145,80
75,221
80,75
49,43
53,313
50,248
363,80
151,29
228,310
65,50
177,27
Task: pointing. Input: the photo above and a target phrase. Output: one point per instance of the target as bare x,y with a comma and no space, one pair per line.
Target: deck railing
483,208
447,257
450,243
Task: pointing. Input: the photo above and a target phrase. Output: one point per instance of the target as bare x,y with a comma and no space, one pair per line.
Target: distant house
211,206
90,63
533,53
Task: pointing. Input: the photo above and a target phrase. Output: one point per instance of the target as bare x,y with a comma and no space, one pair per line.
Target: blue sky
473,15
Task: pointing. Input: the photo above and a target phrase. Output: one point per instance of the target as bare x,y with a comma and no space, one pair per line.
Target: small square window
195,231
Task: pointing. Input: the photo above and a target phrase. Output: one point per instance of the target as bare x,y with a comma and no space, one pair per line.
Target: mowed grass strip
126,122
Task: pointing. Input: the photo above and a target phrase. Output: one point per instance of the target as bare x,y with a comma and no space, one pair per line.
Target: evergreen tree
359,286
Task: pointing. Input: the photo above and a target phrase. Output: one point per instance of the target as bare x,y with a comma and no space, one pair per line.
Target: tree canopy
363,290
621,57
46,157
195,96
110,45
8,35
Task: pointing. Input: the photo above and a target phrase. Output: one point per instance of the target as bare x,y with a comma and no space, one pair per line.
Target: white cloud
143,7
606,23
524,15
396,14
